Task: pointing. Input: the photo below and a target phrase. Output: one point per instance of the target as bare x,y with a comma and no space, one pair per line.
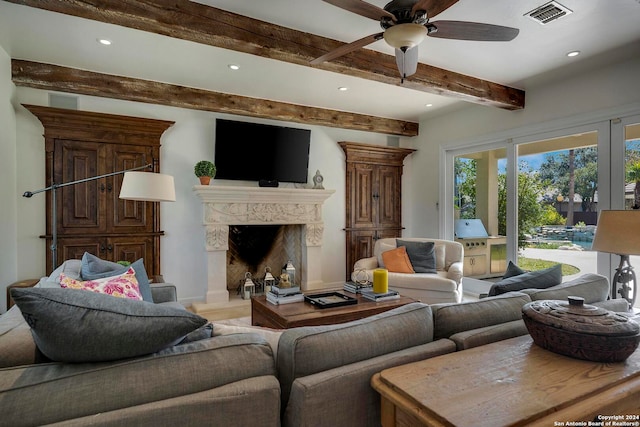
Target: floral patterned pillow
124,285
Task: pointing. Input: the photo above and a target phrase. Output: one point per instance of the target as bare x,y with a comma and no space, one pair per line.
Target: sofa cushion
123,285
305,350
382,246
397,261
488,334
71,268
77,326
453,318
441,258
16,343
421,254
272,336
64,392
590,286
513,270
97,268
534,279
356,403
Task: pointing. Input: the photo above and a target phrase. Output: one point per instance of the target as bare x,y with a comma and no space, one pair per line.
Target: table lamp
618,233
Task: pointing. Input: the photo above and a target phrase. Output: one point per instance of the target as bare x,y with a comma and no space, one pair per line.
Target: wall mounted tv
256,152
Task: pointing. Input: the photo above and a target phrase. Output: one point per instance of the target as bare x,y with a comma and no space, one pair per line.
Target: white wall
594,95
8,207
189,140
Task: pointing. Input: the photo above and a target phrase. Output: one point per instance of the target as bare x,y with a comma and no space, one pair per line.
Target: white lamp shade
405,35
618,233
148,187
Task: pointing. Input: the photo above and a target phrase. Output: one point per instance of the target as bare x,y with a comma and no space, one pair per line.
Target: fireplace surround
225,206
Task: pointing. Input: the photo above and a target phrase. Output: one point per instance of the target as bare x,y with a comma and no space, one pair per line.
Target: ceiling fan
406,24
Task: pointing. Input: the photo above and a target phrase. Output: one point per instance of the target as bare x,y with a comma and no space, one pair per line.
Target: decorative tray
330,299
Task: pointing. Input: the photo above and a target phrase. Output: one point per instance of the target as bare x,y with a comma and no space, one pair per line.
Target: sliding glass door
625,134
479,214
541,194
557,202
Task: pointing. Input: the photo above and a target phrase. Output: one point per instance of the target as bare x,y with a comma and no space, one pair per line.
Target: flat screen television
256,152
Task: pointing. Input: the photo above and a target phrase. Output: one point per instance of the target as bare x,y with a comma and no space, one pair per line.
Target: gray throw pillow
513,270
540,279
96,268
79,326
421,254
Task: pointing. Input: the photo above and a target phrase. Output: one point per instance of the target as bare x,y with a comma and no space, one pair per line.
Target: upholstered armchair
437,275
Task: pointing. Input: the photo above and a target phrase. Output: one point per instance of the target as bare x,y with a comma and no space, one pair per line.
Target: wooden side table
27,283
512,382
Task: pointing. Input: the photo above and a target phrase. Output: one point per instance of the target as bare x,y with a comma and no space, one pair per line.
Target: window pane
477,213
557,203
632,167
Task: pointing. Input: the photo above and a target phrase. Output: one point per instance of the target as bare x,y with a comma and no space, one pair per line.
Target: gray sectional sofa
309,376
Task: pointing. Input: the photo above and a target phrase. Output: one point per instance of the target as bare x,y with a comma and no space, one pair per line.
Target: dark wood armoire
373,197
90,217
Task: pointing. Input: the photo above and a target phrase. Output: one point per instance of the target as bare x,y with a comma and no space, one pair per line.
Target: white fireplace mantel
230,205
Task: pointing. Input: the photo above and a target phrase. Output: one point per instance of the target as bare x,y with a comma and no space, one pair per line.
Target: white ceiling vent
548,12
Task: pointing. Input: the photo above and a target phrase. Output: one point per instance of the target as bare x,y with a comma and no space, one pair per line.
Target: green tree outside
633,175
530,209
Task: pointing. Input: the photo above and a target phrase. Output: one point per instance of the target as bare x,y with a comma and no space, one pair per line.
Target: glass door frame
618,181
447,185
605,154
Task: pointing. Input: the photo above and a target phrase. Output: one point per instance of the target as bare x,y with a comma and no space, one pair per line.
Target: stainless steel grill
484,255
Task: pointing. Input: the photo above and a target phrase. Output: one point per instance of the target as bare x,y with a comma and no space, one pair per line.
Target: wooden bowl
581,331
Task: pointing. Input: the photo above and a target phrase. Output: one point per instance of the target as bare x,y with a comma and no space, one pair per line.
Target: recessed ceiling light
428,105
343,89
105,42
234,66
573,53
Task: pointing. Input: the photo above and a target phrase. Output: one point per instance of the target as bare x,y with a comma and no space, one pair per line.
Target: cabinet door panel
128,215
80,206
131,249
74,248
362,196
360,246
388,191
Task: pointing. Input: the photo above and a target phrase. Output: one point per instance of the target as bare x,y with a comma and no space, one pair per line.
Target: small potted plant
205,170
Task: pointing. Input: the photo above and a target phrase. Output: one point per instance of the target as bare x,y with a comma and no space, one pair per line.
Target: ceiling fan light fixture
405,36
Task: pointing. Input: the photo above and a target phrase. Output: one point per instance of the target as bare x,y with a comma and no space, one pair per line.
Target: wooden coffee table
509,383
296,314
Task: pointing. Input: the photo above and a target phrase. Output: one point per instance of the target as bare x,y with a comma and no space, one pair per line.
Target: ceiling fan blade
362,8
462,30
346,48
433,7
407,61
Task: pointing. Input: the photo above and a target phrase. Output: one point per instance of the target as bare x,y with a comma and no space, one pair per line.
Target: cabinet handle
102,248
109,248
109,188
376,196
102,188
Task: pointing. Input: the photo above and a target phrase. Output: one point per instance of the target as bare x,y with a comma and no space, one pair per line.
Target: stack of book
356,288
279,295
370,295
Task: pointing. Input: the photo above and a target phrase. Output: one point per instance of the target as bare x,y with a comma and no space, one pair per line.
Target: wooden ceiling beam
199,23
63,79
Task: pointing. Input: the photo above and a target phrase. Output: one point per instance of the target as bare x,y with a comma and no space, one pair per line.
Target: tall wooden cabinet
90,216
373,197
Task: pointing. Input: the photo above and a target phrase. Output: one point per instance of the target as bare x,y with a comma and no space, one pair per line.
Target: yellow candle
380,281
